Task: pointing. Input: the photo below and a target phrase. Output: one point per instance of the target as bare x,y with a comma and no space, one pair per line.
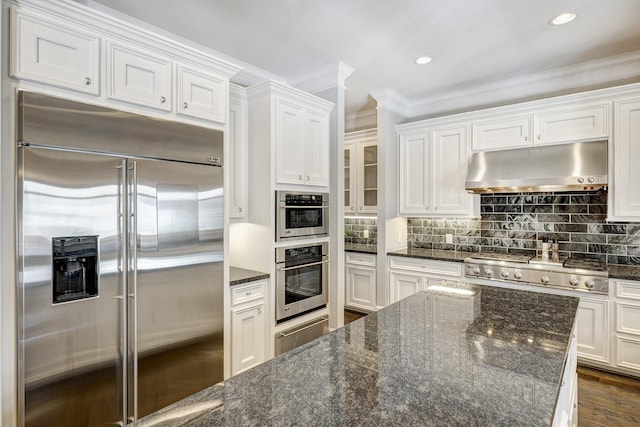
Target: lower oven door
301,286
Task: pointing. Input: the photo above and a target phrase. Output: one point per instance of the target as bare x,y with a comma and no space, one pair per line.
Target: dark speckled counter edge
238,276
439,255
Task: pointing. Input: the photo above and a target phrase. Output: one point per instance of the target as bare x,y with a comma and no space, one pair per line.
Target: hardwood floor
604,399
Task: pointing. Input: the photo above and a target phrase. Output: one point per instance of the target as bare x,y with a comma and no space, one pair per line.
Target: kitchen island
455,355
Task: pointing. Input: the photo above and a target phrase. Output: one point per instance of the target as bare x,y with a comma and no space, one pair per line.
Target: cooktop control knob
488,272
580,180
517,274
476,270
589,284
544,279
504,274
574,282
591,179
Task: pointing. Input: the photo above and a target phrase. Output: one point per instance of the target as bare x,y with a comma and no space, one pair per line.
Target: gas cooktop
582,274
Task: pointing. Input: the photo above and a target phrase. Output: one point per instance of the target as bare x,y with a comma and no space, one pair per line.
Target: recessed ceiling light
421,60
563,18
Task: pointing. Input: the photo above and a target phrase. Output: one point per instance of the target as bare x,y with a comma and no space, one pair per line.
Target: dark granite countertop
239,275
440,255
363,249
628,272
484,356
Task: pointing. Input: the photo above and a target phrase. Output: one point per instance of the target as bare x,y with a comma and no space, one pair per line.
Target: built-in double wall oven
301,215
301,279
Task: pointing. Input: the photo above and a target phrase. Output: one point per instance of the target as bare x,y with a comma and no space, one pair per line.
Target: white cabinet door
140,78
404,285
201,95
367,180
247,337
415,174
593,329
237,157
350,168
500,133
361,287
52,53
624,191
289,143
451,161
316,148
572,124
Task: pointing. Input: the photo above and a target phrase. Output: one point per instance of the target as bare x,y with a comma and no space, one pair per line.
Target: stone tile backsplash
354,230
516,223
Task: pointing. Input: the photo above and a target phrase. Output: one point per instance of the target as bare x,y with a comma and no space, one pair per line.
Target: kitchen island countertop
471,356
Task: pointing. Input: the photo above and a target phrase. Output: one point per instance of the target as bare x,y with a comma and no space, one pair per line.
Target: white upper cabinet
361,172
415,173
316,148
302,144
201,95
140,78
53,53
624,191
237,156
433,166
572,124
298,125
501,133
544,126
59,48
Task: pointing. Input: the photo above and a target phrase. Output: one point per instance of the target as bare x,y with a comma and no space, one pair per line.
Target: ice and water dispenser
75,268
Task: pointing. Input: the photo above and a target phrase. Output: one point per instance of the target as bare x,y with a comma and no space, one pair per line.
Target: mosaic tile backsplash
354,230
516,223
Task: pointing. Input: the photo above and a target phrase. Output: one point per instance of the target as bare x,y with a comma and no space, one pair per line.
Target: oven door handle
303,265
303,207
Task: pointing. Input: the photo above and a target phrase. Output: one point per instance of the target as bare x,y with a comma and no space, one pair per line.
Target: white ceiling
473,42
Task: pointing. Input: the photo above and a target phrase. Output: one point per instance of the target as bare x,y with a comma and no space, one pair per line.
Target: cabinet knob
163,100
259,311
299,177
539,137
87,81
185,105
526,138
239,209
308,178
248,293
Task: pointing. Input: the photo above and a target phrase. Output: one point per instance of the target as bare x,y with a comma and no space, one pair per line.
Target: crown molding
389,99
573,78
328,77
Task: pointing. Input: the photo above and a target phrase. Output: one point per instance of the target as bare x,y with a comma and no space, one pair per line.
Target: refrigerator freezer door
178,281
71,312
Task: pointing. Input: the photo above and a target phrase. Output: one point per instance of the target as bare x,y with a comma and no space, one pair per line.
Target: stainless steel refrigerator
120,262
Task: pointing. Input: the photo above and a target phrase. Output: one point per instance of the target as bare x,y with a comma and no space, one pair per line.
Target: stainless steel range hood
566,167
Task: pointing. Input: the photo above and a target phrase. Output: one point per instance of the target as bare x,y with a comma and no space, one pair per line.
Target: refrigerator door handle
132,311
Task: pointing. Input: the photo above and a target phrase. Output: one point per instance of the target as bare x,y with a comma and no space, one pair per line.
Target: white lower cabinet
566,414
593,329
410,275
248,326
360,280
627,326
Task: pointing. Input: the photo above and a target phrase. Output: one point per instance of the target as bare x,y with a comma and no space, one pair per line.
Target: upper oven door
297,218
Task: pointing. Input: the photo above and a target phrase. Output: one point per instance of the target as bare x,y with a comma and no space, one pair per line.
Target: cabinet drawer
249,292
630,290
628,318
360,259
443,268
51,53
